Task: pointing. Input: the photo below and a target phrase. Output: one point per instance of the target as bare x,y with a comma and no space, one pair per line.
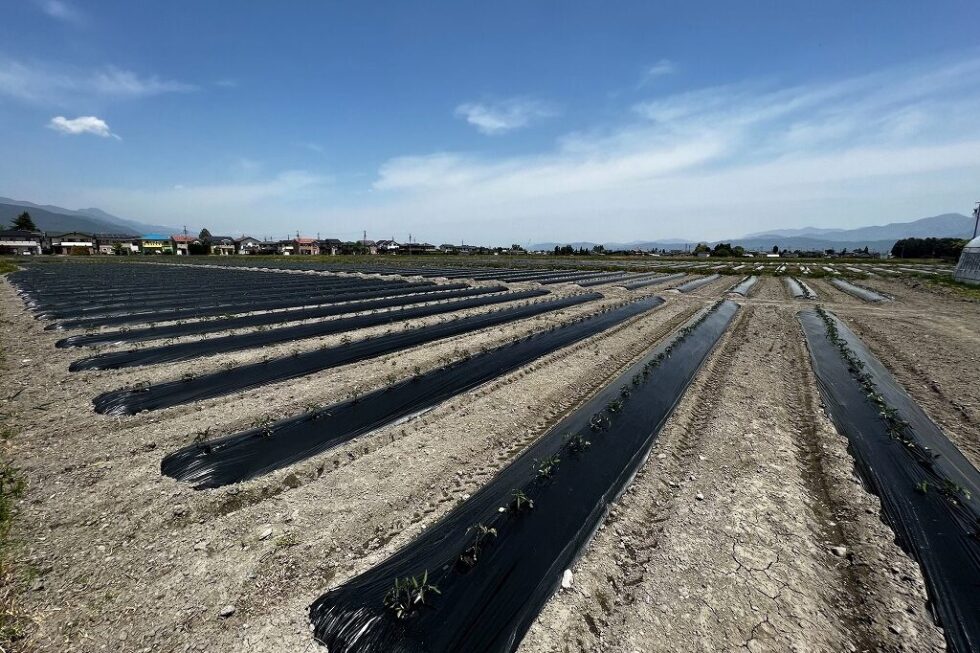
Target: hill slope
56,219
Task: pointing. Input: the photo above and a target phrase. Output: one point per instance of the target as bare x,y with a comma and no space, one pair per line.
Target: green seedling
546,467
577,443
409,595
482,535
520,502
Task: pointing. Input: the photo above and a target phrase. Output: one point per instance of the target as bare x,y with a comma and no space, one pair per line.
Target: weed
409,595
922,487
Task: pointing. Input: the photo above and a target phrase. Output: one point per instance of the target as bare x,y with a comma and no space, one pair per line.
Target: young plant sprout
546,467
577,443
409,595
471,554
520,502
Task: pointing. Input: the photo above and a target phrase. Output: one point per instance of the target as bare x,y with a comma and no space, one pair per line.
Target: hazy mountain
56,219
879,238
948,225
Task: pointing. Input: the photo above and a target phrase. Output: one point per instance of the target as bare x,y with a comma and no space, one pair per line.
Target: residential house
331,246
222,245
127,244
156,244
387,247
307,246
73,243
368,246
19,241
268,247
286,247
181,244
247,245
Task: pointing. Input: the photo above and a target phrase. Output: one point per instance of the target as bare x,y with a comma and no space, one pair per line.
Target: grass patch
7,266
957,287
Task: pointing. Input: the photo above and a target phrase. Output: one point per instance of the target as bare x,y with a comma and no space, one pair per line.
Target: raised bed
745,286
243,377
857,291
201,327
211,346
245,455
477,579
693,285
799,289
928,489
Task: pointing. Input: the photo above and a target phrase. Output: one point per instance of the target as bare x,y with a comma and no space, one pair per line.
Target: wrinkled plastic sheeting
201,327
194,313
799,289
487,607
940,534
691,286
258,451
286,334
653,281
857,291
253,375
744,287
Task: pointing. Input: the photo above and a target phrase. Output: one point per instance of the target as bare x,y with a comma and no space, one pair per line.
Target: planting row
241,456
227,381
286,334
928,489
476,580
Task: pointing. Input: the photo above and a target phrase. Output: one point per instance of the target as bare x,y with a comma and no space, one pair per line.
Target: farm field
658,459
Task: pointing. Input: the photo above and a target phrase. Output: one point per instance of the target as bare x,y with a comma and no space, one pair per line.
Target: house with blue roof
155,244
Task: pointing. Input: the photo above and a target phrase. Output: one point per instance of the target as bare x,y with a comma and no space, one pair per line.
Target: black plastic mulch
492,585
258,451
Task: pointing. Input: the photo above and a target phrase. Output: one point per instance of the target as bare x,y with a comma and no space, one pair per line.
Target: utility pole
185,230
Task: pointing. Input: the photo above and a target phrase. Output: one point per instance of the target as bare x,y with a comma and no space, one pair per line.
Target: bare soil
726,539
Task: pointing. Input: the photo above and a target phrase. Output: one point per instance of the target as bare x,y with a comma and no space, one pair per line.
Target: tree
947,248
701,247
204,236
117,249
24,222
775,249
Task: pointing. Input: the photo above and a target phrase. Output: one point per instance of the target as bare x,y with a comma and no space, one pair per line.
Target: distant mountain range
55,219
878,238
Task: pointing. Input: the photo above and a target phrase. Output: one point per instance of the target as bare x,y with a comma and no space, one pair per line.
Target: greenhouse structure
968,269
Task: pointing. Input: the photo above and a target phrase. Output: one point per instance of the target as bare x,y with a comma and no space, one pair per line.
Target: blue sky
493,122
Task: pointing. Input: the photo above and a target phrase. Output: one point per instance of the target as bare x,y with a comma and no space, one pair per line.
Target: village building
307,246
181,244
331,246
73,243
19,241
156,244
112,243
247,245
222,245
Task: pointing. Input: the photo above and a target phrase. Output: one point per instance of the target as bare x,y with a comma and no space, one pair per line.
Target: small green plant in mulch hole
614,406
922,487
577,443
482,535
409,595
625,391
520,502
599,422
546,467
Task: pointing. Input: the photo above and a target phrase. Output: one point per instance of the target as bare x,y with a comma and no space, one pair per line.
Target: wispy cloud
696,163
82,125
52,84
60,10
227,83
662,68
502,116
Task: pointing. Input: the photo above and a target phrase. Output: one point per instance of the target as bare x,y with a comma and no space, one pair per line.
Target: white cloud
503,116
717,162
662,68
60,10
50,84
82,125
